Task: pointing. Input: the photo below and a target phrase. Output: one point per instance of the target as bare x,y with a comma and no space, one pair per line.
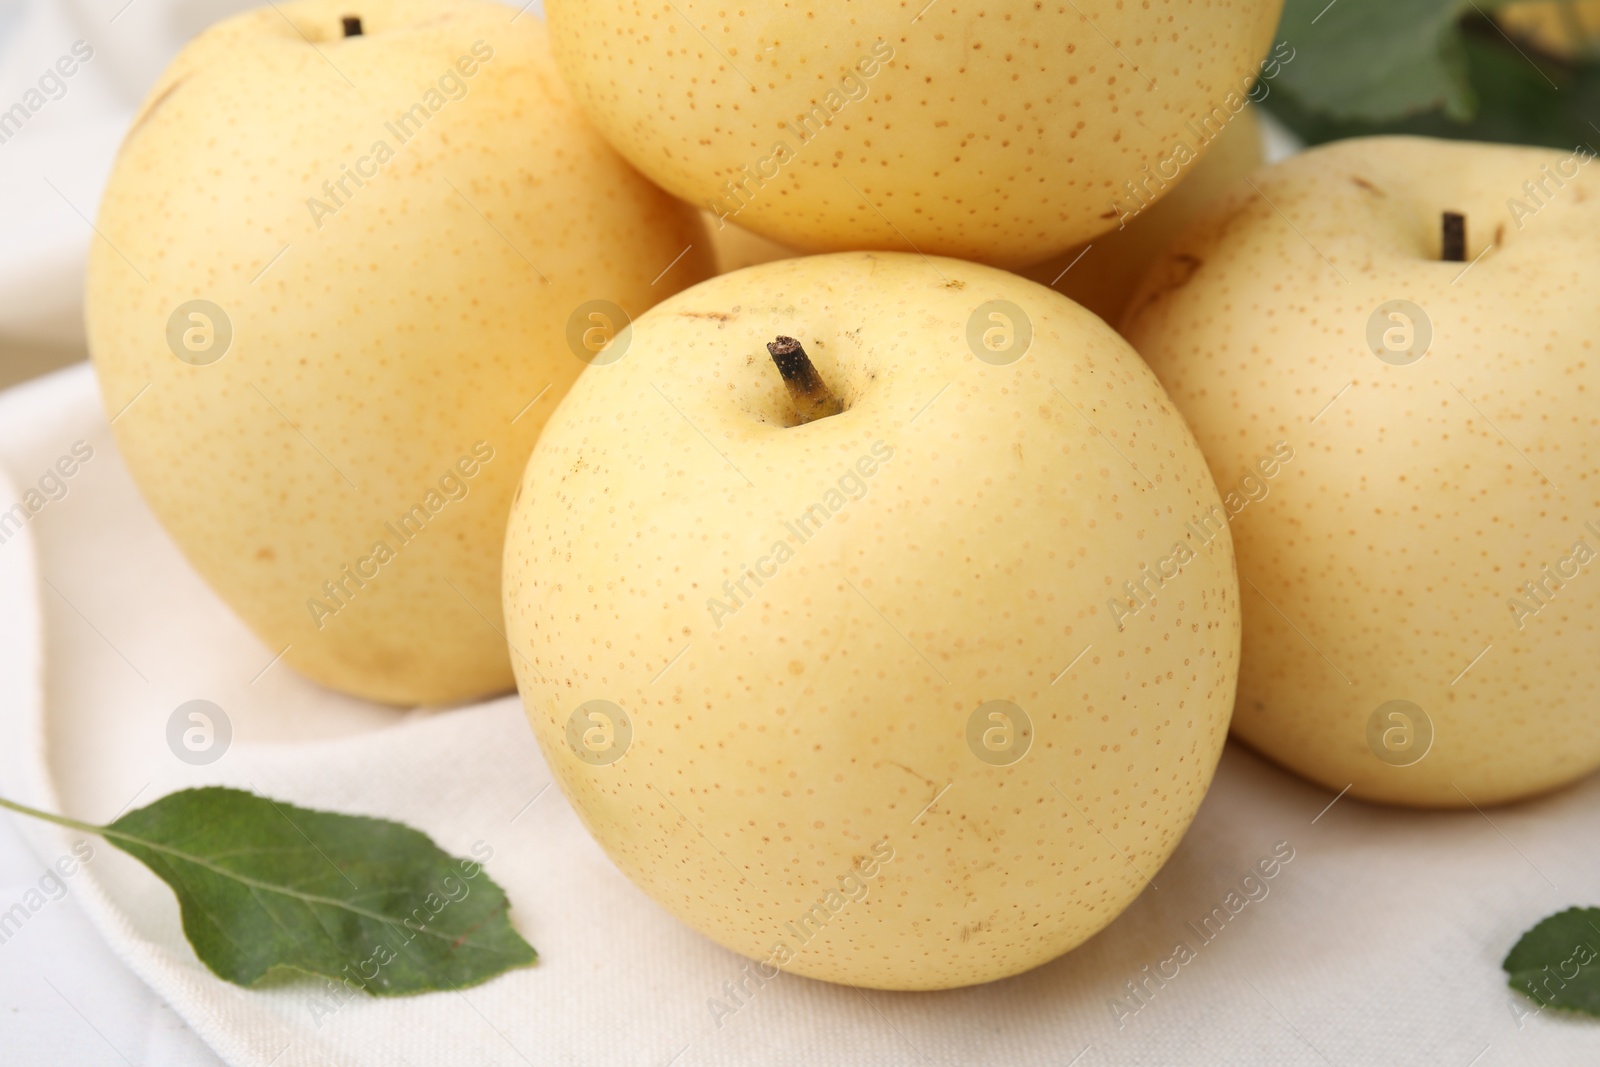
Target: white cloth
1378,943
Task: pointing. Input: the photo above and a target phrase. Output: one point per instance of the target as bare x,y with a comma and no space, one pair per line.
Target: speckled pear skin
1386,561
1104,275
780,751
378,350
997,132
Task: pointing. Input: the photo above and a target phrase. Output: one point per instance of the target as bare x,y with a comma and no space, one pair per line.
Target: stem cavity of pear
812,398
352,25
1453,246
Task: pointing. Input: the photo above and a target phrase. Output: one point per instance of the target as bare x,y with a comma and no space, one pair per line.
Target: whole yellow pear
341,285
1004,133
846,678
1421,586
1103,274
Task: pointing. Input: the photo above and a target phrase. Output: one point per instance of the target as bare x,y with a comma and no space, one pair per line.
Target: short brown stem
352,25
1453,247
812,397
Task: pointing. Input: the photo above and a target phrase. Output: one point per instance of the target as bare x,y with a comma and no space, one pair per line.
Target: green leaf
267,887
1557,963
1523,98
1376,60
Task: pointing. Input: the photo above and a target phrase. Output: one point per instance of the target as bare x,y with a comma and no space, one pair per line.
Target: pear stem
352,25
1453,247
812,397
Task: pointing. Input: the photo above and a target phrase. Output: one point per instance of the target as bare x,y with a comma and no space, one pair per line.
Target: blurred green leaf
1517,104
1438,68
1376,60
1557,963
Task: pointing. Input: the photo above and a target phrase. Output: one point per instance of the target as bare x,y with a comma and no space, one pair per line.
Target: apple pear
870,613
1103,274
1566,29
348,257
1004,133
1421,584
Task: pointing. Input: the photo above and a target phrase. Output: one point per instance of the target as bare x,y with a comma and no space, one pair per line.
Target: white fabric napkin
1378,943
